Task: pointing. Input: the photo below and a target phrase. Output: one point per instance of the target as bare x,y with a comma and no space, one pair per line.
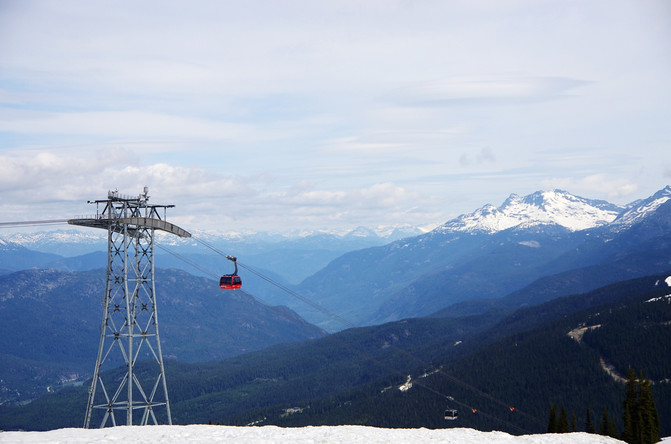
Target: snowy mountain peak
640,209
542,207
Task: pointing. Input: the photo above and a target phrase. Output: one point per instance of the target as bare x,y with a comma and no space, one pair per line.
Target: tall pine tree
648,413
608,426
630,417
641,420
563,421
552,421
589,425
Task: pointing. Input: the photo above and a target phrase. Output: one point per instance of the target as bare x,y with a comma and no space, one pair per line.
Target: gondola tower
129,332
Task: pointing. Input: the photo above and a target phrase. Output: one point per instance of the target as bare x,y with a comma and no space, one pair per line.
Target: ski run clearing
272,434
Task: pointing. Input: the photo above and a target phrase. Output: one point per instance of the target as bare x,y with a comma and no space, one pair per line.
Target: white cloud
43,176
49,175
379,195
596,185
485,155
62,184
501,90
125,124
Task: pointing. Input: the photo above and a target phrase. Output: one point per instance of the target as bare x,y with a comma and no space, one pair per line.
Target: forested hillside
526,361
528,370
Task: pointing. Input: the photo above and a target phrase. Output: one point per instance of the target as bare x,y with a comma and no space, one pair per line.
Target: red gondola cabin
230,282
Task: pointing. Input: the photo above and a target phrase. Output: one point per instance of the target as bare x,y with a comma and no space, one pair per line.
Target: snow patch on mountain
532,244
542,207
666,298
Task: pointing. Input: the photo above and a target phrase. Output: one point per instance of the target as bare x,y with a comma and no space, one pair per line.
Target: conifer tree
604,422
552,422
630,418
611,428
563,426
608,426
648,413
640,417
574,422
589,426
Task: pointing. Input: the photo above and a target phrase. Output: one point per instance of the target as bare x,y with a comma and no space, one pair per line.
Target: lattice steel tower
129,331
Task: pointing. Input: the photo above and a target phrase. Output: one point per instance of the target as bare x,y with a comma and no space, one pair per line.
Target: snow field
197,434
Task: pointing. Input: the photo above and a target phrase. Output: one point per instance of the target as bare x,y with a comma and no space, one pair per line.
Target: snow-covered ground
271,434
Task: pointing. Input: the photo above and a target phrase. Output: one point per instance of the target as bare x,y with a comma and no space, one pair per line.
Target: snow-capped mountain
69,242
542,207
640,209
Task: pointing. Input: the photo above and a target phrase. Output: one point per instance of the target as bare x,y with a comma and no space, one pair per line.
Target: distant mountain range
485,255
289,257
491,253
76,241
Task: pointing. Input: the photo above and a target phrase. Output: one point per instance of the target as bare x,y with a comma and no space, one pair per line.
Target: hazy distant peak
362,232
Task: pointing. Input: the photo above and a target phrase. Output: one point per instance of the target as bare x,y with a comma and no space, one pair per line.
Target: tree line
640,418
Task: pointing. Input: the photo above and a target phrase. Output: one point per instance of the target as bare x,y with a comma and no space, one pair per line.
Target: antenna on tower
144,197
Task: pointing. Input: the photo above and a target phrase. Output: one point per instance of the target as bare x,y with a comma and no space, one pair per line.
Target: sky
285,115
313,435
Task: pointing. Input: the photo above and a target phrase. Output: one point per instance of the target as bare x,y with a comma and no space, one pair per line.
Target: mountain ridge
541,207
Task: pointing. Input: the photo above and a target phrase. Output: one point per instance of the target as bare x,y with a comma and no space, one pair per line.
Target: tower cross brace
129,334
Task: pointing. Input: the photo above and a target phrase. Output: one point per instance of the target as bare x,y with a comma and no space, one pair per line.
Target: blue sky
291,115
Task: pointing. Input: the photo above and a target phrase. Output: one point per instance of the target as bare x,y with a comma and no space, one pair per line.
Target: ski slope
197,434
